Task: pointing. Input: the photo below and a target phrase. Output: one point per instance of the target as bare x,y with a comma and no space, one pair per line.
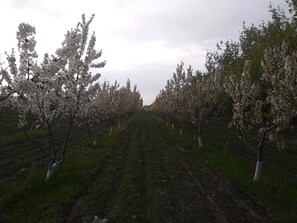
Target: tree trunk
50,171
181,132
230,125
110,131
172,126
71,120
258,170
200,143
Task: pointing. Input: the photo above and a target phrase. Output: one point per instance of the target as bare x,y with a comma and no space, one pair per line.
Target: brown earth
151,179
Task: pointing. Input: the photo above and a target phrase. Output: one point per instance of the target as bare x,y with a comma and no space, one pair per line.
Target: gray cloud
146,39
191,26
21,4
195,22
37,6
149,78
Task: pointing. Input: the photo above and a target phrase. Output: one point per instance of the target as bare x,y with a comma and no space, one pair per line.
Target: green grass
30,199
275,191
33,199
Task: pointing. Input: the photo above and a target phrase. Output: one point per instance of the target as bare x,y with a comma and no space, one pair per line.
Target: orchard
216,145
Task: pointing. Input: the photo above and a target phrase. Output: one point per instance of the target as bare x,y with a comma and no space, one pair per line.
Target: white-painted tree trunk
258,171
110,131
230,125
50,171
200,143
119,125
181,132
172,126
95,142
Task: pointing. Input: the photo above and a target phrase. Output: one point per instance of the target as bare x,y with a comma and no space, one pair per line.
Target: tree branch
241,136
36,143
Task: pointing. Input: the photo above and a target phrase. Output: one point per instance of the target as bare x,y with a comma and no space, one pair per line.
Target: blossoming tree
267,105
111,103
201,101
190,99
168,102
57,88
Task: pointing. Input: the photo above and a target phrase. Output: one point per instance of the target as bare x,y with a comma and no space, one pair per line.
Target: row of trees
61,90
111,105
254,80
189,100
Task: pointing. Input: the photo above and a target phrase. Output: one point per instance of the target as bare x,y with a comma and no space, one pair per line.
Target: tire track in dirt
149,179
175,198
227,203
100,196
217,212
116,186
258,215
131,198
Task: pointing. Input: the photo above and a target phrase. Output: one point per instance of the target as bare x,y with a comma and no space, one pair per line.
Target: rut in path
150,179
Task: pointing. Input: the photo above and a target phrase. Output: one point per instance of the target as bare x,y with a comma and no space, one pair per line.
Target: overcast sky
142,40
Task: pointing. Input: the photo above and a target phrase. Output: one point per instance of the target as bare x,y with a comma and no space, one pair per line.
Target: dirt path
150,179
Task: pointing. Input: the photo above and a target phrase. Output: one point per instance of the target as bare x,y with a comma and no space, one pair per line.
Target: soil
152,179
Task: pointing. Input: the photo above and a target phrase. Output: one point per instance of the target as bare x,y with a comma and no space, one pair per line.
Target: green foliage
227,57
231,55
